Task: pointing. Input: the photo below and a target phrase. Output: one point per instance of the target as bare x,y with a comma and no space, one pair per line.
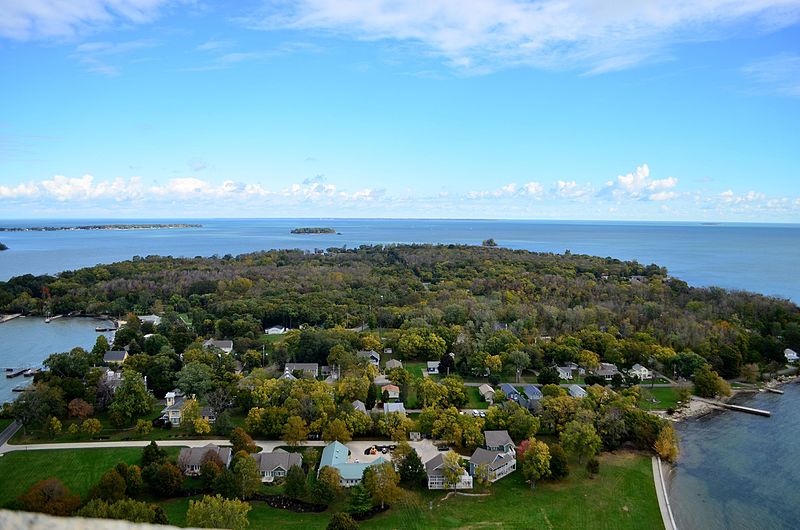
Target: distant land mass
313,230
96,227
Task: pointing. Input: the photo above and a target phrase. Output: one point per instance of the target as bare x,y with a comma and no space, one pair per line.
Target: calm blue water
738,471
761,258
27,341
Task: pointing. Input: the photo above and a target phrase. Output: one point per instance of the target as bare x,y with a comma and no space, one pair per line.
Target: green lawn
4,423
666,397
475,399
622,496
78,469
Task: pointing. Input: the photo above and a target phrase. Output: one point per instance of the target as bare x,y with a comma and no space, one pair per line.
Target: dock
774,390
737,408
6,318
16,372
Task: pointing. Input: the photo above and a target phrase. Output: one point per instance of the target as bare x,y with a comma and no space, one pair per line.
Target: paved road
425,448
9,431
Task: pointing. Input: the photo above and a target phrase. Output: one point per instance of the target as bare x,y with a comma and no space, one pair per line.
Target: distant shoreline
97,227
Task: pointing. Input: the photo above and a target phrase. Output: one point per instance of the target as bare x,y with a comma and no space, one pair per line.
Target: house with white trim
434,468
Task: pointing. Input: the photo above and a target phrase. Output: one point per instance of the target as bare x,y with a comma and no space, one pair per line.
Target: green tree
360,501
337,430
342,521
195,378
381,481
412,471
143,427
132,475
327,487
708,383
168,480
548,375
519,360
131,400
53,427
153,454
295,486
218,512
372,397
91,426
101,346
559,467
535,460
248,477
110,487
452,469
295,431
666,445
580,439
190,412
209,472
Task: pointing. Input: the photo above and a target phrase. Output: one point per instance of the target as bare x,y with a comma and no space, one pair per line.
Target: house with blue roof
576,391
337,456
532,393
510,392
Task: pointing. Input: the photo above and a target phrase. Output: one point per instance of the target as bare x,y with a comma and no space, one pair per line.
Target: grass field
4,423
78,469
475,399
621,497
666,397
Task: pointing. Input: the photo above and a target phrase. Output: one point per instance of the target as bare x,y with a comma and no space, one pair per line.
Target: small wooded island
3,247
148,226
313,230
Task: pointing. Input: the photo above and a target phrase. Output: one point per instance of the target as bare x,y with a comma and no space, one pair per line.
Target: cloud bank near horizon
627,195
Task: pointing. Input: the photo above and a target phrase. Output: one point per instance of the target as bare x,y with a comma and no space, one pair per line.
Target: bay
754,257
27,341
739,471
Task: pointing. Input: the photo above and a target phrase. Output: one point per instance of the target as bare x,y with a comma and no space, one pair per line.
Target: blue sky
557,109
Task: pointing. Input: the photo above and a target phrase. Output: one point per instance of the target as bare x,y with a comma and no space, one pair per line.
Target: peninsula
148,226
313,230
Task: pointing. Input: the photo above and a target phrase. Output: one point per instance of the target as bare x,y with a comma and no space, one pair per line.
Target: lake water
761,258
27,341
738,471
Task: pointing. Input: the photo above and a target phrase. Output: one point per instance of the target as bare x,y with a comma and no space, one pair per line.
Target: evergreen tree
341,521
559,468
295,486
360,502
153,454
412,471
372,397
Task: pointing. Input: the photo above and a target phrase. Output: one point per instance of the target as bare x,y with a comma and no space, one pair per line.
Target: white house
276,330
791,355
372,356
576,391
498,463
564,372
433,367
486,392
640,371
276,464
394,407
607,371
309,369
434,468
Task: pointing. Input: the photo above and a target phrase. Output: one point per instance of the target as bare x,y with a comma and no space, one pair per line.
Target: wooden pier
16,372
774,390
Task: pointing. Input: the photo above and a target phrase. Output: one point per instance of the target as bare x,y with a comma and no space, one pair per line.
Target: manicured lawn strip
415,369
4,423
667,397
78,469
475,399
621,497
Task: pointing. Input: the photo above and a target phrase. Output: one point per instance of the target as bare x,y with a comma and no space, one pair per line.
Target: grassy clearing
78,469
621,497
665,397
475,399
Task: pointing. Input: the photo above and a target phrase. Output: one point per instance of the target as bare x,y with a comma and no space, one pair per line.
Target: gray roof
531,392
221,344
497,438
637,367
359,405
306,367
508,389
369,354
485,389
194,455
493,459
393,363
393,407
434,463
576,391
278,459
115,356
607,369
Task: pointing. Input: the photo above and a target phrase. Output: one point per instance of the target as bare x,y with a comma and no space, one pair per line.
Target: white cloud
476,36
778,74
19,191
36,19
638,185
572,190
